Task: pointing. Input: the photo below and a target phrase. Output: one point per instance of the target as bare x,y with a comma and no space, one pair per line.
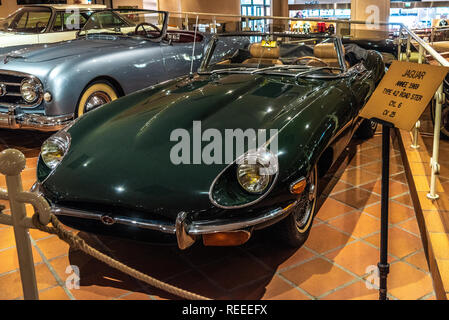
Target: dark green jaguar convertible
237,147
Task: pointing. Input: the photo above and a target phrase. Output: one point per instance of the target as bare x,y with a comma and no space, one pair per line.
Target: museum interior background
347,224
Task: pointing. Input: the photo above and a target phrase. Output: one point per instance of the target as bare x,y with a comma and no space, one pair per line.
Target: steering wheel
143,24
39,25
325,64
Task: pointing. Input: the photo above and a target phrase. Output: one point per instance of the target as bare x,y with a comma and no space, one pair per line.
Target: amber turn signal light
226,239
298,187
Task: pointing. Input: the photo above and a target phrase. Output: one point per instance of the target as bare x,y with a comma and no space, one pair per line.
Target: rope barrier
77,243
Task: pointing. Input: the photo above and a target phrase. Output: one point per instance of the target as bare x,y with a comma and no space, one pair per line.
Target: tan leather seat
328,53
263,55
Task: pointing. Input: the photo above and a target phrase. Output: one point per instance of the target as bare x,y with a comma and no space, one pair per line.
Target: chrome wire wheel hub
96,100
306,205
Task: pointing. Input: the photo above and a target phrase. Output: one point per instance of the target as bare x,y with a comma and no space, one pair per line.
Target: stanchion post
415,144
383,265
12,163
440,97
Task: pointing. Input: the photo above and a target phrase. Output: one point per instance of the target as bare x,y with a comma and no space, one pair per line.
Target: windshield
27,20
147,24
269,53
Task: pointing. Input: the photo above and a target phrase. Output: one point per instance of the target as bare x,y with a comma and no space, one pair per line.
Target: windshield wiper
315,69
227,70
282,67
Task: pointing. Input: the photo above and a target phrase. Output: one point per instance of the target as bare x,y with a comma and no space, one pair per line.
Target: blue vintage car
44,87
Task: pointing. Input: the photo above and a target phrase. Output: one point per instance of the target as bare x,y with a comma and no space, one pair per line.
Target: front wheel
96,95
295,229
444,129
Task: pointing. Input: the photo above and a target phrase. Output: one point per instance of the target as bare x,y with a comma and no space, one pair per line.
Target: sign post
398,102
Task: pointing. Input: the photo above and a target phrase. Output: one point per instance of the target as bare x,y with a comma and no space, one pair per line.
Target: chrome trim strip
22,120
194,228
206,227
152,225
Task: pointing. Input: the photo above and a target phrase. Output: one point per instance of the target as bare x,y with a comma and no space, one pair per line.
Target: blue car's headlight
31,90
55,148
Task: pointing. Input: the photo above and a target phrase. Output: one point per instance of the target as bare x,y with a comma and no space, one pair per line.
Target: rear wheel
366,129
295,229
96,95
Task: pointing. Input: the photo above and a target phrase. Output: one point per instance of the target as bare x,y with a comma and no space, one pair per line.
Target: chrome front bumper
186,231
17,119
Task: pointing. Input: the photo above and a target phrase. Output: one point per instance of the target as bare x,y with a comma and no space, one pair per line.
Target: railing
433,33
423,48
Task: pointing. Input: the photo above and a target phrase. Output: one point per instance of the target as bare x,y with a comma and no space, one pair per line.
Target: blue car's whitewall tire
95,95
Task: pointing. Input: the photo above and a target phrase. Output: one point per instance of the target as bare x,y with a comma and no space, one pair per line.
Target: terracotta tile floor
333,264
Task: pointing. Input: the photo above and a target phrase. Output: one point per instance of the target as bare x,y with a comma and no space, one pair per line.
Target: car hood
72,48
121,153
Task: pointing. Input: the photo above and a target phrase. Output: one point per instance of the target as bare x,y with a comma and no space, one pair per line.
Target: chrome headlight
55,148
30,89
256,170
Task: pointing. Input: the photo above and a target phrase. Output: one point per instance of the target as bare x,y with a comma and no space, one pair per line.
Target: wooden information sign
404,93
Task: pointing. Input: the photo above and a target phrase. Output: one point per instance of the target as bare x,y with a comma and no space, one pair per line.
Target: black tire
444,130
366,130
294,230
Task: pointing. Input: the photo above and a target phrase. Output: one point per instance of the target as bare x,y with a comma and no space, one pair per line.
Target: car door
178,52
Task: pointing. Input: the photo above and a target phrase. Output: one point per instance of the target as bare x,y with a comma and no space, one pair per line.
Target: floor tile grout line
360,186
347,284
295,286
427,296
52,270
372,234
6,249
322,256
128,294
278,271
46,238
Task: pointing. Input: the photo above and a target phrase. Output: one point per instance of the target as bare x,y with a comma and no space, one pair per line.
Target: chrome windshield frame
203,69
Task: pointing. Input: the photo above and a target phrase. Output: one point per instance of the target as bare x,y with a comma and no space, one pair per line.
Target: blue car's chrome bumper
14,119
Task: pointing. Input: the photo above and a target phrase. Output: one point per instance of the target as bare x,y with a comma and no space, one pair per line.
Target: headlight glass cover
55,148
30,89
256,170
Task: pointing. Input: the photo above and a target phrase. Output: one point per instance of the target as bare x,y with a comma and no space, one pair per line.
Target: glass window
66,21
256,8
28,20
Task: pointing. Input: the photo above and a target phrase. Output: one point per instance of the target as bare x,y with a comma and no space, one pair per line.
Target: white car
39,24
